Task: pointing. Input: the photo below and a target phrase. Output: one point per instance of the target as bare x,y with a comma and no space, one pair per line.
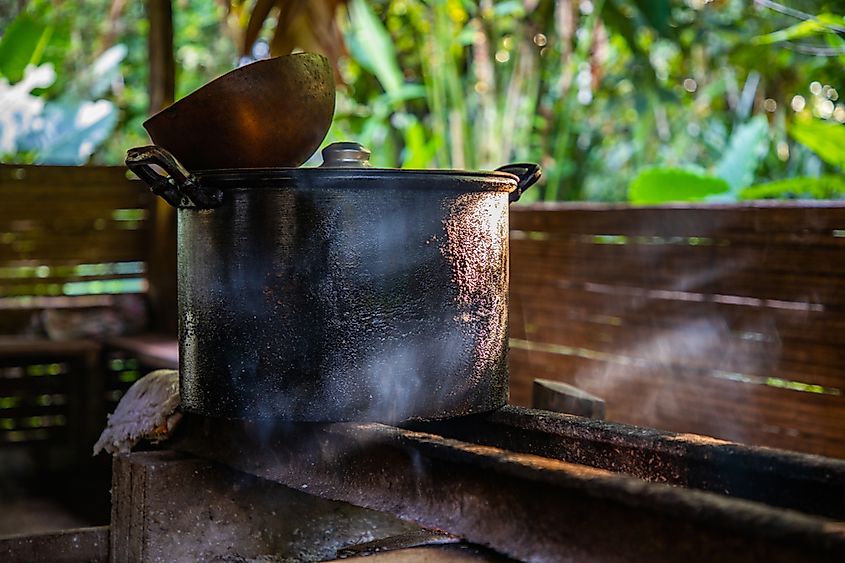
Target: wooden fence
720,320
69,237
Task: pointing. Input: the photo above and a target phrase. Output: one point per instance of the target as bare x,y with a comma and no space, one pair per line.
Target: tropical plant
65,129
605,94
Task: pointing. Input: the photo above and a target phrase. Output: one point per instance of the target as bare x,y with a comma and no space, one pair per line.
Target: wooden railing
720,320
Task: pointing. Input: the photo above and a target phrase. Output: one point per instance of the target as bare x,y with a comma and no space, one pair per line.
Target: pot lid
345,165
351,159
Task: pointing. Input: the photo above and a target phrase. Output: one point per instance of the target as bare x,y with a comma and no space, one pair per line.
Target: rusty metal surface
525,506
274,112
811,484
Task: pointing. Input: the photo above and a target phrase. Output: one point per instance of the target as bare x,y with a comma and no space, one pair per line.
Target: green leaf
821,187
656,13
23,44
404,93
418,152
821,24
72,130
663,185
746,148
373,47
824,138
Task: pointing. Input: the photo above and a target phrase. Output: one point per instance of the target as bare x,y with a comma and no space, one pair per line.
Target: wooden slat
35,174
114,246
48,201
681,220
783,287
7,283
680,258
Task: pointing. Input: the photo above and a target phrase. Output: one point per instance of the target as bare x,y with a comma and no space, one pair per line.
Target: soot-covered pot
342,292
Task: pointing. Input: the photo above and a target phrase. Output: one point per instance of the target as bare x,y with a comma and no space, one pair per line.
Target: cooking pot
342,292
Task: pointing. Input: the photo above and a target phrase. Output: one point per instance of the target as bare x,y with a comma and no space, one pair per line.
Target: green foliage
663,185
22,44
745,150
372,47
727,93
822,187
825,139
819,25
63,128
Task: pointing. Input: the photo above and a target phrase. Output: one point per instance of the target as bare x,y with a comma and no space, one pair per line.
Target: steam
666,362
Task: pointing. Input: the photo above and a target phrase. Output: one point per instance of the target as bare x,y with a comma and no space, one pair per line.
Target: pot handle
527,173
178,187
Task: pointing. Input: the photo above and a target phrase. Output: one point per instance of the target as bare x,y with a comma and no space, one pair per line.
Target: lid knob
346,154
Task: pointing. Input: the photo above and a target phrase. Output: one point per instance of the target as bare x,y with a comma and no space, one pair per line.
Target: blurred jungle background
640,100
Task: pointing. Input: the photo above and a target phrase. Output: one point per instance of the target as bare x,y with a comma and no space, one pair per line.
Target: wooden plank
658,303
680,220
680,259
85,217
33,410
770,272
76,184
118,246
11,347
633,307
162,84
832,239
672,270
8,284
73,192
812,290
35,174
26,214
14,321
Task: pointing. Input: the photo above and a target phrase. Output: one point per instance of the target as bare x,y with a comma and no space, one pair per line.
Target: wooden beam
162,90
162,87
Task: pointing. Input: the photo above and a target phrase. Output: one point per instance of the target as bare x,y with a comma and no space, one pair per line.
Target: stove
515,483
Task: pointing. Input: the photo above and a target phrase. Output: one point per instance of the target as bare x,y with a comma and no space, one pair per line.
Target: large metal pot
342,292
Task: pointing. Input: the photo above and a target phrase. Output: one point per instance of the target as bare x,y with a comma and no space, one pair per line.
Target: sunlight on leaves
664,185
